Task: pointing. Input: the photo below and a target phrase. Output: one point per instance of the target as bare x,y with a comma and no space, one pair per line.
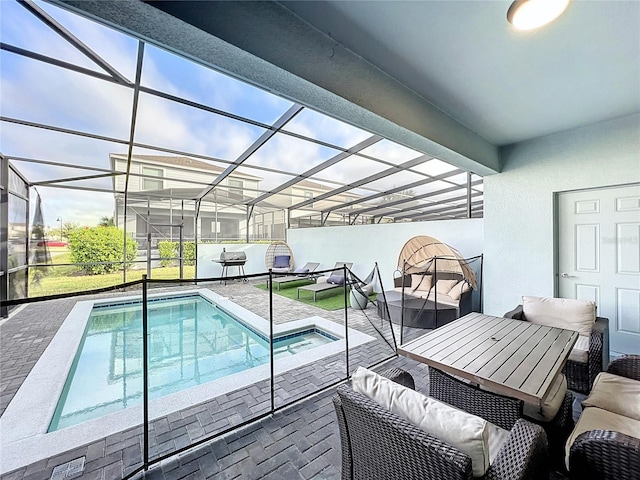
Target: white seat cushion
617,394
466,432
446,300
551,404
580,351
567,313
593,418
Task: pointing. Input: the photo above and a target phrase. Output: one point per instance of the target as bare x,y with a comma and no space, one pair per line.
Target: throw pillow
464,431
567,313
458,289
301,271
336,279
443,287
281,261
420,282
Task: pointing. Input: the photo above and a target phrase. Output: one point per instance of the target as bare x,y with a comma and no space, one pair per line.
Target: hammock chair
279,258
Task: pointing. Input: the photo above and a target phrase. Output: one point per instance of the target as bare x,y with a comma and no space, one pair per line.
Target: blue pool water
191,341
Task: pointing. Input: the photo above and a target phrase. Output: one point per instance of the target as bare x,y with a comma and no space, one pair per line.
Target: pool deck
299,441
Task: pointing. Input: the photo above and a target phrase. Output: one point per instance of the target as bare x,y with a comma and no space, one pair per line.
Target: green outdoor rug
327,300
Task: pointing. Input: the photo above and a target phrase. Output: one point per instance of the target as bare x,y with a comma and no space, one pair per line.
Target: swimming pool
25,423
192,341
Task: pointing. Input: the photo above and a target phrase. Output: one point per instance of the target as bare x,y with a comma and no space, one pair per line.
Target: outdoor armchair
588,358
596,449
378,444
502,410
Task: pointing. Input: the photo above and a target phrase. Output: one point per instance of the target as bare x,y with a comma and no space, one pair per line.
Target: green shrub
189,253
100,244
168,249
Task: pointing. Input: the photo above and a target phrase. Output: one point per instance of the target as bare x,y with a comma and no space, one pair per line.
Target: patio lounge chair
377,443
306,272
334,280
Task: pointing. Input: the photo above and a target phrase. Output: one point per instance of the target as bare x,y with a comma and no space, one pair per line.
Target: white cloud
84,208
321,127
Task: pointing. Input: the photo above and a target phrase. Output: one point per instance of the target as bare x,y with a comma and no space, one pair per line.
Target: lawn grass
327,300
67,279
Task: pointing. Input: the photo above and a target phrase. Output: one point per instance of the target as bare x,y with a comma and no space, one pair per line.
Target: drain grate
70,469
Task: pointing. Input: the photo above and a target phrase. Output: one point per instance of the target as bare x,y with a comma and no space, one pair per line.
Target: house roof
179,161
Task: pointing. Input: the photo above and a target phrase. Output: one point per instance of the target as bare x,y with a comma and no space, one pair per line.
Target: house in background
162,192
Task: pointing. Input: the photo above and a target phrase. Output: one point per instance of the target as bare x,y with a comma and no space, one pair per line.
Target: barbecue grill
232,259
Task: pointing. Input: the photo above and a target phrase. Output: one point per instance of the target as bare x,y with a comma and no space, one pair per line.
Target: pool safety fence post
271,340
145,375
481,282
386,306
346,315
435,289
404,272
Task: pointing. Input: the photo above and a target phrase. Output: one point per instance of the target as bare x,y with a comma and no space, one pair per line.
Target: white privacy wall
207,252
518,203
363,245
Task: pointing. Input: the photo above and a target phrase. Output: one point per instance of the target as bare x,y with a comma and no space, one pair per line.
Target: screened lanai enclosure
105,128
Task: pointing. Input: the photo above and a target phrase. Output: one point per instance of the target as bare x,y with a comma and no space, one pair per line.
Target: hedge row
101,244
168,250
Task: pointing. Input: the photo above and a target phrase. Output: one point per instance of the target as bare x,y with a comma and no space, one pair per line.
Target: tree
106,222
68,228
101,244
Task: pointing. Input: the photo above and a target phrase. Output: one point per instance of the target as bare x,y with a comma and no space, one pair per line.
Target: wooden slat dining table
512,357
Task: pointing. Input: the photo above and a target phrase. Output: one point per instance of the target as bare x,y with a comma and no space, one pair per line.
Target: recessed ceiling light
530,14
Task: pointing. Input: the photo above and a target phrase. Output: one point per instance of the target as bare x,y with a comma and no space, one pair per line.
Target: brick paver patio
27,333
299,441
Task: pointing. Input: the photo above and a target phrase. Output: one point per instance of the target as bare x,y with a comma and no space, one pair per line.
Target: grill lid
228,257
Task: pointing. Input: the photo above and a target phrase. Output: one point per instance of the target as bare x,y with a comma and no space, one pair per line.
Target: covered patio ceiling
76,92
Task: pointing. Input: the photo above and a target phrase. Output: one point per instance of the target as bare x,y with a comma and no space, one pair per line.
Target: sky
37,92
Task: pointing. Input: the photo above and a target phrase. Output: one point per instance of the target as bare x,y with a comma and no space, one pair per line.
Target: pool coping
23,426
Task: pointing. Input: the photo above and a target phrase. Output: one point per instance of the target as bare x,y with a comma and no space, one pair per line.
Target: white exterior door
599,257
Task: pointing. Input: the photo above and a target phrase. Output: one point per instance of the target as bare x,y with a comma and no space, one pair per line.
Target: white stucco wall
363,245
518,203
366,244
207,252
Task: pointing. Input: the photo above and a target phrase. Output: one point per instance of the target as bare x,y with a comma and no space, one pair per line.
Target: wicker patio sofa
605,444
583,364
378,444
442,291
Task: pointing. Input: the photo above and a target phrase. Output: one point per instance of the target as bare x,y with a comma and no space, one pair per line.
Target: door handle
566,275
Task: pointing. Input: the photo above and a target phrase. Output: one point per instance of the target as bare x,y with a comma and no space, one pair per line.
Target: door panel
587,248
588,292
628,252
599,257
